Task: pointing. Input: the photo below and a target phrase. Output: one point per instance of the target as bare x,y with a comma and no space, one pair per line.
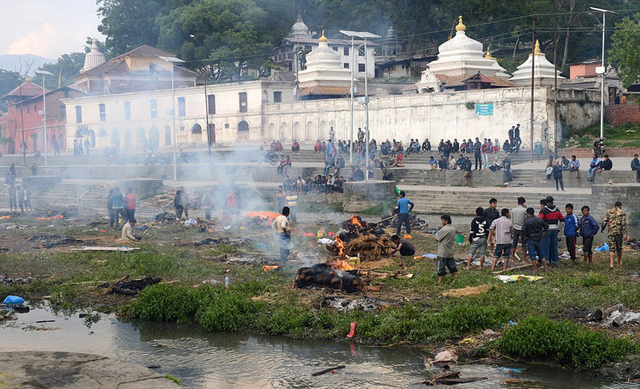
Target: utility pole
602,70
555,80
24,143
533,66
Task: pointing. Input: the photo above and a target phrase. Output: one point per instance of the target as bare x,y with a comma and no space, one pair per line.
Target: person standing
466,167
207,203
282,227
27,198
130,204
486,149
178,205
557,175
117,203
533,231
588,229
446,238
552,216
478,237
635,166
112,214
491,214
616,220
571,227
87,145
477,153
20,194
75,147
501,229
185,202
404,207
518,216
34,169
56,147
13,203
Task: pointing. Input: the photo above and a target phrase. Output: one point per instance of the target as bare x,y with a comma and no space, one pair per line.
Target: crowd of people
122,208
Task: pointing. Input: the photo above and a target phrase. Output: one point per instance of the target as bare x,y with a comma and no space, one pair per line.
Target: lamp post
173,61
363,35
44,108
602,69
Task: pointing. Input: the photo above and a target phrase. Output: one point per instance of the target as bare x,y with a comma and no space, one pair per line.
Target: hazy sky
48,28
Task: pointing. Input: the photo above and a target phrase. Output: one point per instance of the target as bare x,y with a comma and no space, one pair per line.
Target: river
240,360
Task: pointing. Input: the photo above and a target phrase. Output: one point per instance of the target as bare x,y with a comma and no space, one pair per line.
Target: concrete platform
40,369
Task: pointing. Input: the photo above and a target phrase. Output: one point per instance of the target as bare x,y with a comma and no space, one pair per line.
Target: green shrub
230,311
164,302
539,337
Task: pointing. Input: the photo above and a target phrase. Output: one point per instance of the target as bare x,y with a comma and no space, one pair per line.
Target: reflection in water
209,360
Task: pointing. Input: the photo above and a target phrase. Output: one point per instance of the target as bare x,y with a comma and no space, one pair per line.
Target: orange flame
340,246
341,264
354,220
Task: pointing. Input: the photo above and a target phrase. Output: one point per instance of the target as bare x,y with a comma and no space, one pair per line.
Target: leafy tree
8,81
64,70
624,49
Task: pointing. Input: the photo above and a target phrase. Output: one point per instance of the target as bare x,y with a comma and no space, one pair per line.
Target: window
181,107
308,48
226,126
152,68
127,110
346,65
154,108
181,128
63,111
103,113
277,97
335,48
361,67
211,100
346,51
78,114
243,126
242,96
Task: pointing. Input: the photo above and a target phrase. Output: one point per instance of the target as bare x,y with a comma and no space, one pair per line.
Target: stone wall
142,188
605,196
617,115
435,116
588,153
363,195
41,182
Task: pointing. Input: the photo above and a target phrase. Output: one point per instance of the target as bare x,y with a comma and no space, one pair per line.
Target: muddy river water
241,360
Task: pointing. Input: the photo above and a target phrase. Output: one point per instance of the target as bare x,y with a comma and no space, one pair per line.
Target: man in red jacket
552,216
130,204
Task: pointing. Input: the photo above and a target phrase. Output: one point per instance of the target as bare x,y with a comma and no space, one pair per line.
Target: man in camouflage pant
616,220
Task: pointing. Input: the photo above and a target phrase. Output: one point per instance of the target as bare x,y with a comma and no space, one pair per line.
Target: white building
543,74
143,119
301,38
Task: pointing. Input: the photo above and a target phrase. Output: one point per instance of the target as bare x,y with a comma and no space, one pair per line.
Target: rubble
4,280
50,241
344,303
15,226
614,316
166,218
129,287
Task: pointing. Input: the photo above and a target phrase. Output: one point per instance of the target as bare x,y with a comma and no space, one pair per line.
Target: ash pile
50,241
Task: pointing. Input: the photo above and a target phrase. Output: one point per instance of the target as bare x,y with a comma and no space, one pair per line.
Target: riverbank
409,308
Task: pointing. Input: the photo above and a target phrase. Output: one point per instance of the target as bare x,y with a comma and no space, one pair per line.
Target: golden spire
488,55
323,38
460,26
537,51
27,79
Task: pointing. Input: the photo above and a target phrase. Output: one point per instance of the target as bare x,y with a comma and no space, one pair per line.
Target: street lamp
363,35
44,108
602,70
173,61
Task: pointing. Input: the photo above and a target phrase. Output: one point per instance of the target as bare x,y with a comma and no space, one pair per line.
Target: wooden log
526,265
454,381
325,371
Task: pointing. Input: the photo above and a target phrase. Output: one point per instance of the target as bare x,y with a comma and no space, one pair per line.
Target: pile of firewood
369,247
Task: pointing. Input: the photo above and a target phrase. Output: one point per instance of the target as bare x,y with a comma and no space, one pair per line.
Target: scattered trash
445,356
50,241
352,332
13,301
428,256
342,304
517,277
268,268
511,370
190,222
98,248
615,316
326,241
603,248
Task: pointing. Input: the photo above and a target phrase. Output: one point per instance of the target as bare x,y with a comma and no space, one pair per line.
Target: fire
354,220
341,264
340,246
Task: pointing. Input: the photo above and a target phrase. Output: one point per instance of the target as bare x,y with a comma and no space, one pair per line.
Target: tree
624,53
64,71
8,81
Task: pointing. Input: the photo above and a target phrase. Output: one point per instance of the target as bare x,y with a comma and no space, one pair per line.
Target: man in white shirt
127,231
282,227
518,216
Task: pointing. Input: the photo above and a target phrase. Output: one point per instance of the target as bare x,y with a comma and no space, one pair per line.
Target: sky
48,28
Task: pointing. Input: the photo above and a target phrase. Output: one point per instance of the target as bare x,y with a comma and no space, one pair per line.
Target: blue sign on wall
484,109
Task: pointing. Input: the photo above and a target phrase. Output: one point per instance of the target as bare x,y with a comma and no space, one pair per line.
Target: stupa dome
93,58
323,57
543,74
299,29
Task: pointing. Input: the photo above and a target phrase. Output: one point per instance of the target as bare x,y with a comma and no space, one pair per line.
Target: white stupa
543,74
324,69
93,58
299,29
463,56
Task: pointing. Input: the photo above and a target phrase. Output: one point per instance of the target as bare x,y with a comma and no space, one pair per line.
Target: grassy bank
627,135
548,311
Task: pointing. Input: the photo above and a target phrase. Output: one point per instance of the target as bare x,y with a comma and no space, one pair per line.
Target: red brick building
24,118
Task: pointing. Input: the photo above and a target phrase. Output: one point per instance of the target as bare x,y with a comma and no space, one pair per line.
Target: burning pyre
357,240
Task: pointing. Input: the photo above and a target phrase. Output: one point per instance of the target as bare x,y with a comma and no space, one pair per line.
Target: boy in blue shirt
588,229
404,207
571,227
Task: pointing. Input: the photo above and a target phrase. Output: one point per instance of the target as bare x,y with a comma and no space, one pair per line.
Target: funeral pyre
356,241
